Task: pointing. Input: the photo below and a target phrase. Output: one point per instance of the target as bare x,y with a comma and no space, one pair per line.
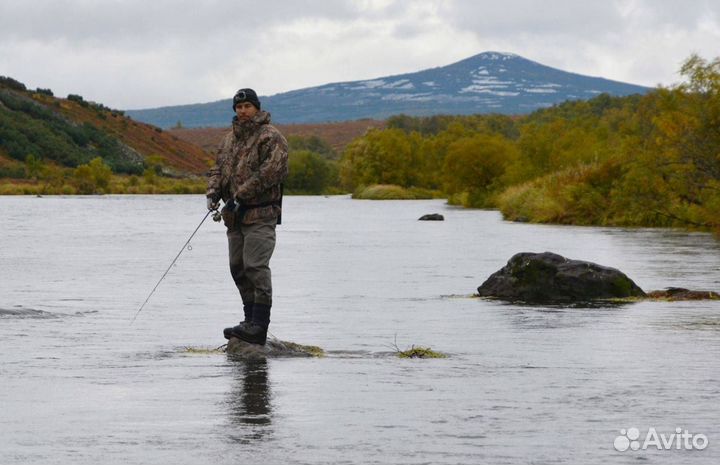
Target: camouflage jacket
252,162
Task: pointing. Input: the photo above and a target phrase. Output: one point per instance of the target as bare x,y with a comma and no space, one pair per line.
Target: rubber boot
248,311
256,331
233,331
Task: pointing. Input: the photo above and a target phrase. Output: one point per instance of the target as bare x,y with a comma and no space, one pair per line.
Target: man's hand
212,204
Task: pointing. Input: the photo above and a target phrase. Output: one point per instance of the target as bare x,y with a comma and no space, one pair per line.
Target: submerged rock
432,217
548,277
272,348
420,352
679,293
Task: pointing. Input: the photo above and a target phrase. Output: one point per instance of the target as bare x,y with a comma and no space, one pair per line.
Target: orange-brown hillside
39,128
180,154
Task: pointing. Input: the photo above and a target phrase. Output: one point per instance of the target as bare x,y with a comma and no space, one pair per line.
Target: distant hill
70,132
337,135
490,82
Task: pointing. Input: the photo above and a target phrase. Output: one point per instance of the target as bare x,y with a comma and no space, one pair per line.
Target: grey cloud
513,17
83,21
568,17
685,14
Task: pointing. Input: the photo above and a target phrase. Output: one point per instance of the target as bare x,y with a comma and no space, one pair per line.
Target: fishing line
186,245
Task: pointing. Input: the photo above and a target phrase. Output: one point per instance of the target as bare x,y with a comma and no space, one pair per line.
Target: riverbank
515,205
146,184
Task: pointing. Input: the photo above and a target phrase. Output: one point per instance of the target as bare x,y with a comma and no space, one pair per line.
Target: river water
522,384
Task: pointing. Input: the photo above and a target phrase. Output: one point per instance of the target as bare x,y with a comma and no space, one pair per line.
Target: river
521,384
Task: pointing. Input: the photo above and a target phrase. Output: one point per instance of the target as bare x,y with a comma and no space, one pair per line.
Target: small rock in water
432,217
272,348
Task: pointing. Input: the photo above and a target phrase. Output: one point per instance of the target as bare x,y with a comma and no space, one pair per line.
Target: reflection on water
249,399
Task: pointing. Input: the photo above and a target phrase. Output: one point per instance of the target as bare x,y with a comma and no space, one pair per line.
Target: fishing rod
173,262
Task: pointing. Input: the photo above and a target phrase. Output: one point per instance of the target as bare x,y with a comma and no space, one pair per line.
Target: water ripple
24,312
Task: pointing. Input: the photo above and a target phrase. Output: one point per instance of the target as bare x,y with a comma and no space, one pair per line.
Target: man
252,163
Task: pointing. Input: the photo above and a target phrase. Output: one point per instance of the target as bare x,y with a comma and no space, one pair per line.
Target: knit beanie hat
246,95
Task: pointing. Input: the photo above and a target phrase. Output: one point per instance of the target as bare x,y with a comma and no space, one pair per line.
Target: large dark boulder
548,277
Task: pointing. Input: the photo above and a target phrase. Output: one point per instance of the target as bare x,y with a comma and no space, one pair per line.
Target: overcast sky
131,54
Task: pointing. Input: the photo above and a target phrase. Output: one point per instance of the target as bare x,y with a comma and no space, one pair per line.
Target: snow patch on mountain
539,90
400,84
372,84
498,56
421,97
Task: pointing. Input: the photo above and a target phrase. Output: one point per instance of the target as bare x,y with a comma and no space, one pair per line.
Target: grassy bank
393,192
117,185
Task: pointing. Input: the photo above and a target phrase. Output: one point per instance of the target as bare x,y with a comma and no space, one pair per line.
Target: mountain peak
496,56
489,82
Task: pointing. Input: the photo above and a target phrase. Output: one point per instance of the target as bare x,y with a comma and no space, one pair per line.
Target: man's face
245,110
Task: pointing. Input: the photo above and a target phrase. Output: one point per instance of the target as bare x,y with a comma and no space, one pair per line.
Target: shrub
11,83
310,173
92,178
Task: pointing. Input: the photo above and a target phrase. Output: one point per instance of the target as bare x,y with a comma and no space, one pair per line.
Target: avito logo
679,440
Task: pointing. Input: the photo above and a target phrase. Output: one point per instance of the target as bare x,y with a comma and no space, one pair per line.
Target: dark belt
231,205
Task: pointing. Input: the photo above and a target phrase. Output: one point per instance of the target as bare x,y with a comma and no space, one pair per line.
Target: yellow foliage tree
93,177
475,168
